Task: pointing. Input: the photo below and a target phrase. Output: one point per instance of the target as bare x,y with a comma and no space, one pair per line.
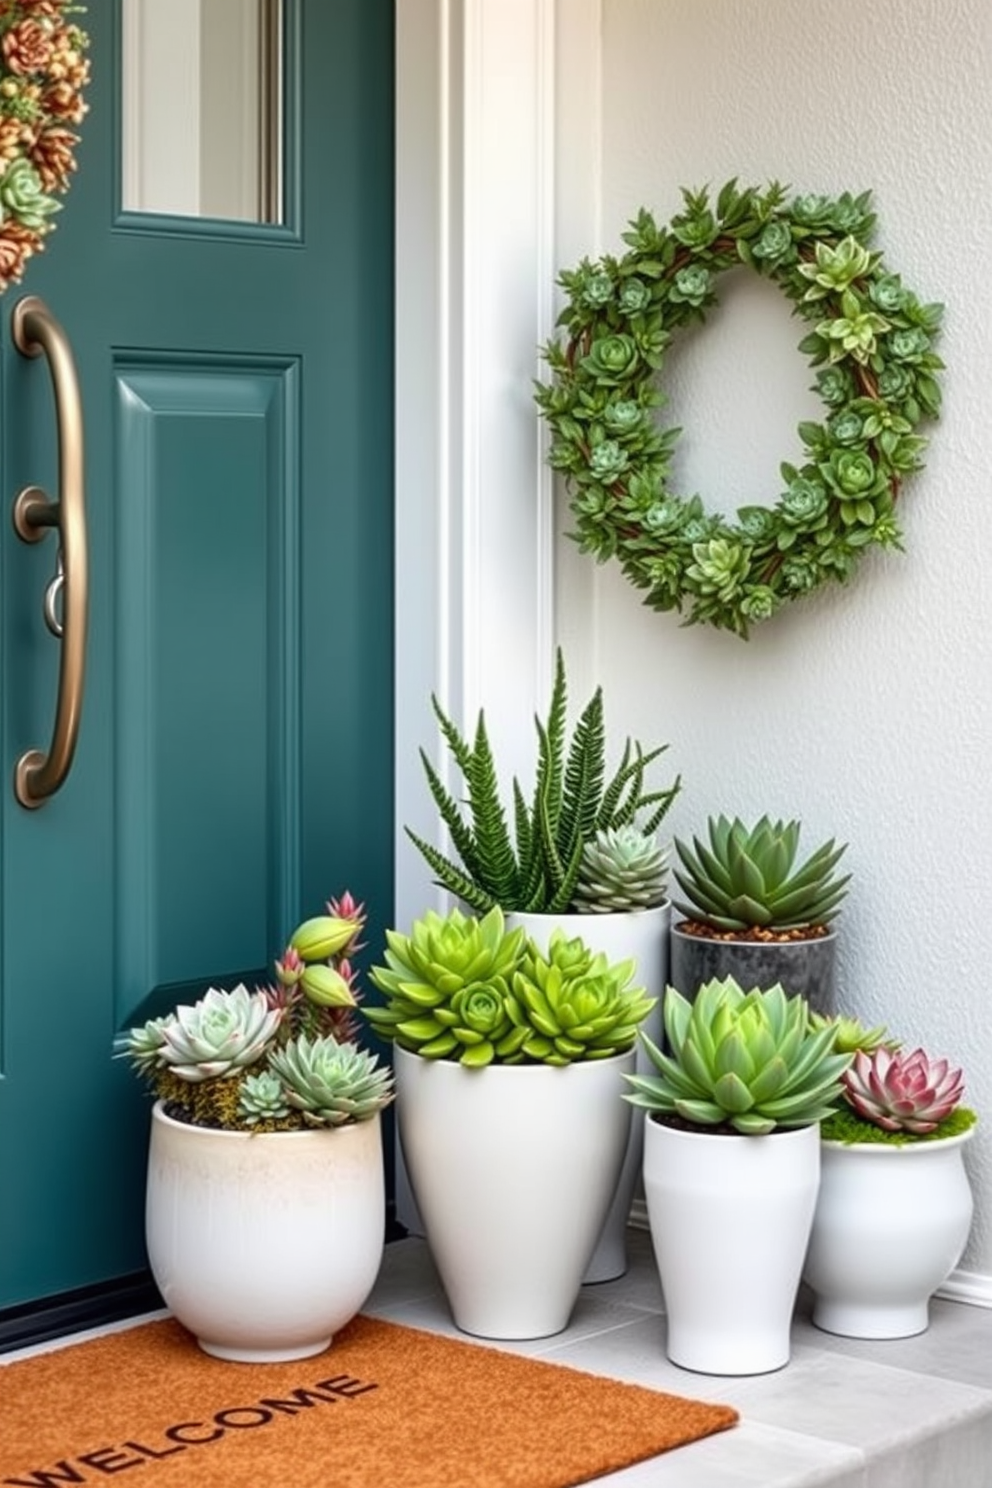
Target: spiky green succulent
571,1004
744,1060
464,989
622,868
219,1035
536,868
851,1035
331,1084
446,984
745,877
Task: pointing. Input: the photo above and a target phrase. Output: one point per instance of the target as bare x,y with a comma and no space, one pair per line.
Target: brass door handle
35,332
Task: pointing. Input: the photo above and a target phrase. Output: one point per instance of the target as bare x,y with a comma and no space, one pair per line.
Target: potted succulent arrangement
583,858
895,1203
752,913
732,1168
508,1060
266,1144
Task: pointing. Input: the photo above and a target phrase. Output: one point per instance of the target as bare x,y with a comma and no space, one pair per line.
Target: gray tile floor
912,1413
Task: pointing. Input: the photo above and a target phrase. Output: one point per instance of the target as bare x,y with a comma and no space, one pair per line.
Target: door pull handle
36,332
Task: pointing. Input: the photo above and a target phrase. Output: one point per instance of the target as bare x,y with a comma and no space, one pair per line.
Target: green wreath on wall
870,338
43,70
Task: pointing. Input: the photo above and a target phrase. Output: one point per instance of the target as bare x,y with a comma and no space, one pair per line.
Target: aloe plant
536,866
745,1061
745,878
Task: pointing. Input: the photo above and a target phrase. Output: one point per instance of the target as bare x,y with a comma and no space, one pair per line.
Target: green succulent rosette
743,877
470,991
571,1005
22,197
745,1061
446,986
869,338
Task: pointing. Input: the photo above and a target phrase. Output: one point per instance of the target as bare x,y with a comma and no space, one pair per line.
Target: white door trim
475,236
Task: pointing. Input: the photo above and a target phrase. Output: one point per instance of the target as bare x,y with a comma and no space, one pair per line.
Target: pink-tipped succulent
347,907
902,1092
291,968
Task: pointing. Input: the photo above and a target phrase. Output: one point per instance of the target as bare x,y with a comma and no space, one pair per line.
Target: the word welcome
179,1437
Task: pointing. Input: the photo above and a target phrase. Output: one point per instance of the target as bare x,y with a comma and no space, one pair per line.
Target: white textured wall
866,712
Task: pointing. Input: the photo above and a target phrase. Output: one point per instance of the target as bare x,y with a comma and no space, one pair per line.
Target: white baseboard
973,1287
638,1215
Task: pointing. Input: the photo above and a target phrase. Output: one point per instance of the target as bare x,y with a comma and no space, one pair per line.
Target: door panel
234,766
217,742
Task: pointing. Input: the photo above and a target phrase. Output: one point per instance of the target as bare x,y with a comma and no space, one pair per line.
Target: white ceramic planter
644,935
890,1226
730,1219
264,1245
513,1168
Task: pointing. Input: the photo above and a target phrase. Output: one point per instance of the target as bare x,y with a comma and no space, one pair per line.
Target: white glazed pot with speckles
513,1168
264,1244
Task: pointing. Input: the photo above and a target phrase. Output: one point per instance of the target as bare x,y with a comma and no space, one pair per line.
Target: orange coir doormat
385,1404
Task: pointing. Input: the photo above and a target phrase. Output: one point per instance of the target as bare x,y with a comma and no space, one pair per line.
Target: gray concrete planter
802,966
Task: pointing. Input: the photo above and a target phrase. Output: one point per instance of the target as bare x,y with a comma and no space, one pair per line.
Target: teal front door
234,759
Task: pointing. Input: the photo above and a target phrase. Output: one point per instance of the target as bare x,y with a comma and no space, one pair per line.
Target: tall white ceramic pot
513,1168
644,935
730,1219
264,1245
891,1224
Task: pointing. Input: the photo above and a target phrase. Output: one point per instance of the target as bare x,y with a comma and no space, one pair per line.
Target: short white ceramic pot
264,1245
730,1219
891,1224
513,1168
641,934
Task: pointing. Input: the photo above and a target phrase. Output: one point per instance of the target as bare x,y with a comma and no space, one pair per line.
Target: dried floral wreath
871,338
43,70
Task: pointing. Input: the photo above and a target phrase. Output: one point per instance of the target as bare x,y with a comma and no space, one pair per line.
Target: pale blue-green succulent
744,1061
219,1035
262,1098
622,869
143,1045
331,1084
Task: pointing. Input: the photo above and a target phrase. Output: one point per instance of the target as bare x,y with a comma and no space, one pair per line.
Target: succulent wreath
871,340
43,70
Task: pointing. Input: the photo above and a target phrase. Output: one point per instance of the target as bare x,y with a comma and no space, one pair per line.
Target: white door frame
485,203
